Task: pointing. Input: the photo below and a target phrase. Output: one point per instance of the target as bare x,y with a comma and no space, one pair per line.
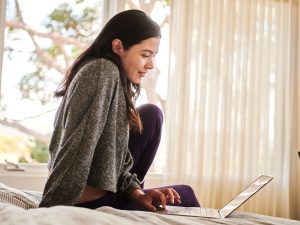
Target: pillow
21,198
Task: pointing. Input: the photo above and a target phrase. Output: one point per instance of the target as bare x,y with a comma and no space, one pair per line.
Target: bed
19,207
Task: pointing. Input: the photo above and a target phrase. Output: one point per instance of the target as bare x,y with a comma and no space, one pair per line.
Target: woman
90,162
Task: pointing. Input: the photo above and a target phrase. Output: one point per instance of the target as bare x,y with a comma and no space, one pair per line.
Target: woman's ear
117,46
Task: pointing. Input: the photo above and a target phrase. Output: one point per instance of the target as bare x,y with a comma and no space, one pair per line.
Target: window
38,47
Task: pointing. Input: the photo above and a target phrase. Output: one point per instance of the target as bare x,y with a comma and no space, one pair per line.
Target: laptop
231,206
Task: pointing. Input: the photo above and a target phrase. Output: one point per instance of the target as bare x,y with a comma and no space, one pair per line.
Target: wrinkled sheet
65,215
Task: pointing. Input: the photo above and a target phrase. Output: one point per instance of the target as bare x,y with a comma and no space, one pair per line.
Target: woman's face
139,58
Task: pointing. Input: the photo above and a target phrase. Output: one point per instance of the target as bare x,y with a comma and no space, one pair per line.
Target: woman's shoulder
101,68
101,63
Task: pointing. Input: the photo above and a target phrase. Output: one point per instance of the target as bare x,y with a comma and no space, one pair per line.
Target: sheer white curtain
233,103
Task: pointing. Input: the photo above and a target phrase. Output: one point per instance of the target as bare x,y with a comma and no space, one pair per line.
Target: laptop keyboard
198,211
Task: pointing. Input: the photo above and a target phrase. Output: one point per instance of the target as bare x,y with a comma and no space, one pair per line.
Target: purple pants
143,148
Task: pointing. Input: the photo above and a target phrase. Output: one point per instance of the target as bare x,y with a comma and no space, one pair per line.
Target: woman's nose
150,63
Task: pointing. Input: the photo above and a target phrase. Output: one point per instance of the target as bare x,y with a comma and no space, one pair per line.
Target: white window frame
2,26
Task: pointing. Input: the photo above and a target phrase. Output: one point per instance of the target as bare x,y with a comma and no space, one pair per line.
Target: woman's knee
186,189
150,112
188,196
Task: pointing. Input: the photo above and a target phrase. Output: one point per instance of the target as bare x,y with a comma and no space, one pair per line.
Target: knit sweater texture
89,145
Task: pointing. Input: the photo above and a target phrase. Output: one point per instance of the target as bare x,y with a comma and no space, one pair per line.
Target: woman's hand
155,198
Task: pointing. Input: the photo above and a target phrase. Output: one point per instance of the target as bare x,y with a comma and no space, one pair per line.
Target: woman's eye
145,56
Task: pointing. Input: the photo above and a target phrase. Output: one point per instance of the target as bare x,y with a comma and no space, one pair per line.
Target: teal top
89,145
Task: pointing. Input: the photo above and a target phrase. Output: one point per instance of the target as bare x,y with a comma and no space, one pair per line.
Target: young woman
94,161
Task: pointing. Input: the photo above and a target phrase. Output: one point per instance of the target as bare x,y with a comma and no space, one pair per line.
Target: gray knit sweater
89,144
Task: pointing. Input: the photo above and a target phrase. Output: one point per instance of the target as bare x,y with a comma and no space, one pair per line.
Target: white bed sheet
67,215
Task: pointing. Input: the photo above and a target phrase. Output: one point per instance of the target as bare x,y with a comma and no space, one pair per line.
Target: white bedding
67,215
19,207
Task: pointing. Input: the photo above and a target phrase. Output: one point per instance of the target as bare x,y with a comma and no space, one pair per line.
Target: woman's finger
146,202
170,195
163,200
177,196
149,206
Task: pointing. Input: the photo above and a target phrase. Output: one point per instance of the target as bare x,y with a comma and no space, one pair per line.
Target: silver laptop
236,202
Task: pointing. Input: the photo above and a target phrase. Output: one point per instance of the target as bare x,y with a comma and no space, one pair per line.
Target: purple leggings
143,148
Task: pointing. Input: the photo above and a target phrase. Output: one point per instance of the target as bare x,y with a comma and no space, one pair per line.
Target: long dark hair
131,27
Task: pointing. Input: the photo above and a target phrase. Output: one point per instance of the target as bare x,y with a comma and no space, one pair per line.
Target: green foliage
25,150
65,21
53,50
61,19
166,2
33,86
39,152
74,19
75,52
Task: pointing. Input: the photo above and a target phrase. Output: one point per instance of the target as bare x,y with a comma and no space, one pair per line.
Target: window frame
2,27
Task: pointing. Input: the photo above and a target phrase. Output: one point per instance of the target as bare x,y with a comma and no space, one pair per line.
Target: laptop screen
245,195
